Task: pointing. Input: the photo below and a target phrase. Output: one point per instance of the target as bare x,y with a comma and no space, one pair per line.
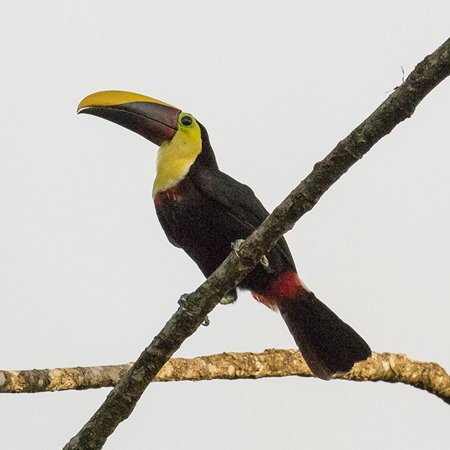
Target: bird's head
157,121
177,133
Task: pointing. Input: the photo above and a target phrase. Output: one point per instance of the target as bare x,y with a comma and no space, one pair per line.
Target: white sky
87,276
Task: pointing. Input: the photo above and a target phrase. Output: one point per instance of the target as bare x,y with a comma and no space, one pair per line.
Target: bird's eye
186,121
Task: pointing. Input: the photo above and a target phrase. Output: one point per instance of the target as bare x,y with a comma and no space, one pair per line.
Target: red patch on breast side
172,194
287,286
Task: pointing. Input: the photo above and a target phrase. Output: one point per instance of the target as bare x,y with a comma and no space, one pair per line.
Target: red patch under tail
287,286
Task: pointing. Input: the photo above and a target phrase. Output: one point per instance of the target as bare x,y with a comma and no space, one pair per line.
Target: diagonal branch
399,106
387,367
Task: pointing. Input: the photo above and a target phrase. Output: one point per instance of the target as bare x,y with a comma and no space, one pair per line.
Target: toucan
204,211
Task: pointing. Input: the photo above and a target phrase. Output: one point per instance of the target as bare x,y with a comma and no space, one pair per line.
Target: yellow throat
176,156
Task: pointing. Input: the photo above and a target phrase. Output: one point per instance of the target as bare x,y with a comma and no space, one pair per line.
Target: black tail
327,344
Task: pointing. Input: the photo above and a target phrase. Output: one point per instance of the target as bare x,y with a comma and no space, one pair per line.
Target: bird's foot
229,297
236,245
182,303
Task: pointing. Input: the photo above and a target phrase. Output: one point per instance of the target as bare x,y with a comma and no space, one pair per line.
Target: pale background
87,276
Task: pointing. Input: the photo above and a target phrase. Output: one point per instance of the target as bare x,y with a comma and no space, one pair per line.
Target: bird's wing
239,201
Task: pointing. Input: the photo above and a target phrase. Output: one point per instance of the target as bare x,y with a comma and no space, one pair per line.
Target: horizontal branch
387,367
397,107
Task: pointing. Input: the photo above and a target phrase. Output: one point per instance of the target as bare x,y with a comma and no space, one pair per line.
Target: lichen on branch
387,367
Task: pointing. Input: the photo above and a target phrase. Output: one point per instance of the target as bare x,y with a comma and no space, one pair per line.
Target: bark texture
387,367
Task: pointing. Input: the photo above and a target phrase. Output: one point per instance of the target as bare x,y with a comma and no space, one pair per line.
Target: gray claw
182,300
265,262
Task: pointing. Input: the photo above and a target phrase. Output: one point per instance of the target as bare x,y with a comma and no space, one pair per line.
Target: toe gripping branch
231,296
236,245
182,303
